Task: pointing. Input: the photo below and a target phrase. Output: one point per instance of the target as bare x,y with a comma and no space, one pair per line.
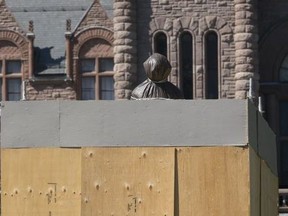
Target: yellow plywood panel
212,181
269,191
255,184
38,182
128,181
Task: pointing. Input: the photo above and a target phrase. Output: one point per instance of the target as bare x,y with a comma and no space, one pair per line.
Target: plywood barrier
255,183
128,181
38,182
269,191
213,181
143,181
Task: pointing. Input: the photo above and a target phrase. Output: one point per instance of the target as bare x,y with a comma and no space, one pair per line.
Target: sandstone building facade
86,50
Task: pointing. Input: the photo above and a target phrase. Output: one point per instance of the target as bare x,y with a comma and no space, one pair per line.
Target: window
211,50
283,72
283,164
97,79
283,138
186,64
160,43
10,80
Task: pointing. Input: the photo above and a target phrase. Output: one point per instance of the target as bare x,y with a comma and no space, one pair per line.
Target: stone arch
216,23
161,23
91,33
167,38
17,39
225,38
184,24
274,42
10,48
96,47
18,46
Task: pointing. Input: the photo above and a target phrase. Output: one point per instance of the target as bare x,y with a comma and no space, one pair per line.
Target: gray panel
28,124
124,123
252,125
153,123
136,123
267,144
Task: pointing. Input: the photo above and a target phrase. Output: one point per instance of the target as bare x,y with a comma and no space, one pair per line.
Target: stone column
31,36
125,47
68,62
68,54
246,46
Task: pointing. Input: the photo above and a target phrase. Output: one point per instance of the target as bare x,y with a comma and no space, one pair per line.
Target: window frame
155,35
284,60
4,76
96,74
192,62
205,84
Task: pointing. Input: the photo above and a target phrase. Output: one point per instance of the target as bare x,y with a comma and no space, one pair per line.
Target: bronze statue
156,86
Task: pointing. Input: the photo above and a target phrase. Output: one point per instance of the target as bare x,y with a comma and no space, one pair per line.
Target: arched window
96,70
283,72
186,56
211,50
10,72
160,43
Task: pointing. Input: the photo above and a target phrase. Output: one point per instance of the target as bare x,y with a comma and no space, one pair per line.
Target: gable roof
95,16
49,18
7,20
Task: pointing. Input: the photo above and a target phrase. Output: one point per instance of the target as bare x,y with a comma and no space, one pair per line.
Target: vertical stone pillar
31,36
68,54
68,35
125,47
246,45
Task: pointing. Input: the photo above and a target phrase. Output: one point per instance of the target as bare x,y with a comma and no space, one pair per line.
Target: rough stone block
243,75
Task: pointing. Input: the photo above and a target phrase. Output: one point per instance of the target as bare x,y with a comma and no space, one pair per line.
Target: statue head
157,67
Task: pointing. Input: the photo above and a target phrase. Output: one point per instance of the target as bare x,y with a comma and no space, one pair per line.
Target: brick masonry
125,47
95,24
131,34
196,17
246,43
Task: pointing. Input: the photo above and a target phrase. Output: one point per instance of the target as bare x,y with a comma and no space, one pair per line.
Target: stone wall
50,91
136,22
197,17
125,47
95,24
95,17
246,43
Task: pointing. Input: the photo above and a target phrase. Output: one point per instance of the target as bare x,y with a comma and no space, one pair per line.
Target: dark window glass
13,67
283,73
107,88
211,51
14,89
106,64
186,64
283,118
87,65
88,88
284,164
160,43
